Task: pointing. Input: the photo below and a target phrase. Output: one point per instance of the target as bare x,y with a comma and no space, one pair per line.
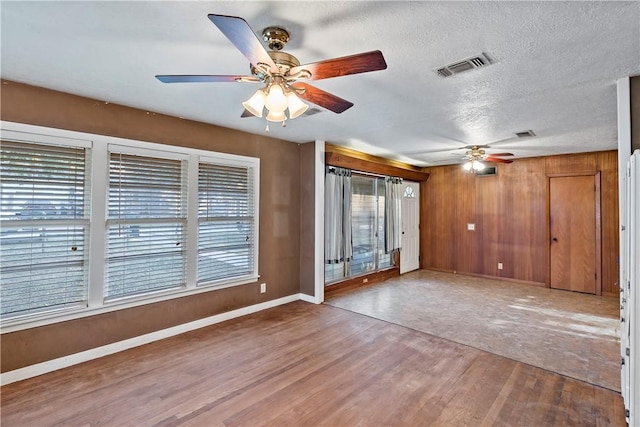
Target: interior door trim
596,175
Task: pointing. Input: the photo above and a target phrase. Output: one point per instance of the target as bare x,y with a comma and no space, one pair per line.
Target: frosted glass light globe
276,101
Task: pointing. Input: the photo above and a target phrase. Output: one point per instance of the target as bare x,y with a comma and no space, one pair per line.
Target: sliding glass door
367,231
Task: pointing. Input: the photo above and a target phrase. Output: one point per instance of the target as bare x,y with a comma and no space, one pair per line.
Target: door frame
598,221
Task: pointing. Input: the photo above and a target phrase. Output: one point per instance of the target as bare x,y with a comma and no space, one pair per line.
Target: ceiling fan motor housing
283,60
275,37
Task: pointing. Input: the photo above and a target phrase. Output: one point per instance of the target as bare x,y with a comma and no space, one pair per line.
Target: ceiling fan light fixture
276,100
295,105
255,104
276,116
473,166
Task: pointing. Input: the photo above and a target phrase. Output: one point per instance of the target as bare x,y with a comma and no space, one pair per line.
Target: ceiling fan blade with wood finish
322,98
344,66
496,160
501,154
165,78
238,31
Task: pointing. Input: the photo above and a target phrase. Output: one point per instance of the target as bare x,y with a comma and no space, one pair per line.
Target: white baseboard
309,298
94,353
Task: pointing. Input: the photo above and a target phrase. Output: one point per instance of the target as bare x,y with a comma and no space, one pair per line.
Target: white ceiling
554,70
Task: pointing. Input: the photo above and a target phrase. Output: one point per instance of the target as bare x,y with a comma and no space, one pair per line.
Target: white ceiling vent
464,65
311,111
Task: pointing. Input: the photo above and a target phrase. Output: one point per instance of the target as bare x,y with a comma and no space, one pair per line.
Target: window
161,222
226,222
145,225
43,241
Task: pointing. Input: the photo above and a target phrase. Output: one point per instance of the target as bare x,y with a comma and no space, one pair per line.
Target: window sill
64,314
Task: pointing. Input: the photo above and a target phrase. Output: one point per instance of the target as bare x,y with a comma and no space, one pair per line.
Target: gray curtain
337,215
392,214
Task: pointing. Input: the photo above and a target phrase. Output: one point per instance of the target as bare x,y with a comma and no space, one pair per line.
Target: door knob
555,239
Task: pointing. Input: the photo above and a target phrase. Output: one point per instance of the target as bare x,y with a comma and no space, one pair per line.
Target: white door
410,252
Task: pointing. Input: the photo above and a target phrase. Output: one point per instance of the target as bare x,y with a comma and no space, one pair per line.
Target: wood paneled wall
510,213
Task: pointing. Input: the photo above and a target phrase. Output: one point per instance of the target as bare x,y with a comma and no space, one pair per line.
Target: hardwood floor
305,365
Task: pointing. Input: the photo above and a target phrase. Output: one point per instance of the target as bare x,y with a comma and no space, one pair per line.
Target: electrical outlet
263,288
499,266
471,227
365,280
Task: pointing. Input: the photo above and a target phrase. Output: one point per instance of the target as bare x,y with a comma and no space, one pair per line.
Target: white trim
97,230
94,353
624,153
319,222
309,298
31,138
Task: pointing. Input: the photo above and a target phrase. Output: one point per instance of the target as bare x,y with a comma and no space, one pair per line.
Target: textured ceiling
554,67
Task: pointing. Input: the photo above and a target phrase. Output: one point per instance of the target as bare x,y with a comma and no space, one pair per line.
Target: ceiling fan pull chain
267,128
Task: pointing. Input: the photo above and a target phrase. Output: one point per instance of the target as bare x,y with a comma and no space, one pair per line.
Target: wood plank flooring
306,365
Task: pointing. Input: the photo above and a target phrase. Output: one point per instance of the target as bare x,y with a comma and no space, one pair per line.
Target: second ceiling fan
476,155
281,73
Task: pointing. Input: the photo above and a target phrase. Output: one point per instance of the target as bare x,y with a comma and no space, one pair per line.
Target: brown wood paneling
279,219
610,222
487,248
364,280
571,163
342,160
510,212
330,148
441,238
468,242
522,198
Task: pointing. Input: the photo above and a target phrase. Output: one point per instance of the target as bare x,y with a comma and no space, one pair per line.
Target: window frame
98,188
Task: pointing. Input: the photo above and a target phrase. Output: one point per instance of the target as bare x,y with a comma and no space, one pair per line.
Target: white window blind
226,222
44,232
146,225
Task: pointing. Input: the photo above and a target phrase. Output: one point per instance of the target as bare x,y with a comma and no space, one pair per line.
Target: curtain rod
373,174
357,172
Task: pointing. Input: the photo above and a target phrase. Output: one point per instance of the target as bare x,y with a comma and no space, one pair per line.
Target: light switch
471,227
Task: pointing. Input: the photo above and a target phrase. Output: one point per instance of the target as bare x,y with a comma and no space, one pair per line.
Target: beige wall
279,262
307,218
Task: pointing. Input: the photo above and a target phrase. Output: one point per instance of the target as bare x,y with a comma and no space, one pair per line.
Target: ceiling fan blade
497,160
501,154
204,78
323,99
354,64
244,39
246,113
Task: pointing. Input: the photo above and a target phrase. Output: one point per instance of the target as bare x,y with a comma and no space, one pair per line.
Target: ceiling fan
476,155
281,73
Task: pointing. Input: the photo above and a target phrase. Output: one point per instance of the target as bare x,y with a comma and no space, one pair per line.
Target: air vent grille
311,111
525,134
463,65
